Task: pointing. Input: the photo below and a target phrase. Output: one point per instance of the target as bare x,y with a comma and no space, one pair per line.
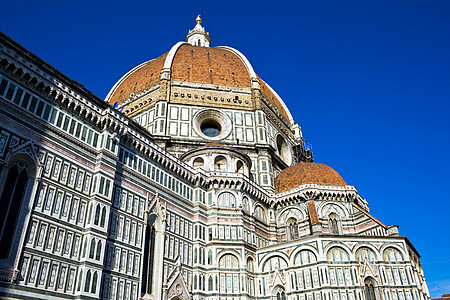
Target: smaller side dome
307,172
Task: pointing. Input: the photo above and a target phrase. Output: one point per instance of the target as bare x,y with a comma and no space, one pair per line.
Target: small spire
198,19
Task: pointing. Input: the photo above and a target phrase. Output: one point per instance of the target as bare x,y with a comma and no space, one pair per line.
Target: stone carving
53,276
4,136
43,273
295,213
70,280
51,237
14,142
332,208
62,277
177,287
33,271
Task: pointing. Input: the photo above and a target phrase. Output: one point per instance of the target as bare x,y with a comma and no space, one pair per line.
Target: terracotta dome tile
307,172
209,65
265,90
218,66
145,76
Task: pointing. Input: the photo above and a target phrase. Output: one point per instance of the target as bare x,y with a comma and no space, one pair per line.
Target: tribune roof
307,173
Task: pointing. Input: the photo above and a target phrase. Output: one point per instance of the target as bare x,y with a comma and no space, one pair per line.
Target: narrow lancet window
149,254
10,203
333,223
369,290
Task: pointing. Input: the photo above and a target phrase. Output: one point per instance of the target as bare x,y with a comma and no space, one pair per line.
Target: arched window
229,261
149,253
10,203
102,221
229,269
87,283
292,229
210,283
94,283
281,295
245,205
198,162
97,214
275,262
333,223
92,250
239,167
364,253
369,289
260,214
202,255
209,257
305,257
99,250
226,200
195,255
220,163
392,254
195,282
337,254
250,265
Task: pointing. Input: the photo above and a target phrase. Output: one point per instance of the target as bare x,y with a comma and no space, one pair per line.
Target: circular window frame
212,115
211,124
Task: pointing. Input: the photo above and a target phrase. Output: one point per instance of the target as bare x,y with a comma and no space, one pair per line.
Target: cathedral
191,180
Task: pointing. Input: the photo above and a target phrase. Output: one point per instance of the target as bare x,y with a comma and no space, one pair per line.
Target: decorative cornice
314,191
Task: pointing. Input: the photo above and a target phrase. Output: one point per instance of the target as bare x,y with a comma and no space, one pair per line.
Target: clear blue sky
368,81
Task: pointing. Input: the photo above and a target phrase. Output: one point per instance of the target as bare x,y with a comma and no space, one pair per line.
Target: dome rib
138,79
209,65
279,104
221,65
171,55
243,58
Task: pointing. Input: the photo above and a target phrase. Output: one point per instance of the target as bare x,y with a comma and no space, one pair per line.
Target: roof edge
122,79
170,56
243,58
291,120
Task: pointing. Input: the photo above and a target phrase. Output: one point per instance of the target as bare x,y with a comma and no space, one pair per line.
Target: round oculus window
212,124
210,128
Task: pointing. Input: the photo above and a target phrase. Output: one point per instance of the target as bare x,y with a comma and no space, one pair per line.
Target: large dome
307,173
195,94
217,66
